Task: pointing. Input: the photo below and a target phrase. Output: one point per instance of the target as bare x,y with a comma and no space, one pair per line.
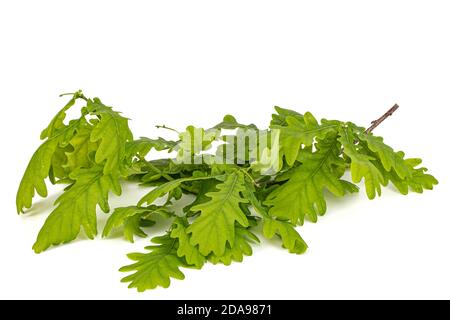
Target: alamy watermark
258,148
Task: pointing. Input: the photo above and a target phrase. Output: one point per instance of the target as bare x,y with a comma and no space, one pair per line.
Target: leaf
150,197
303,194
58,171
193,141
82,148
76,208
361,164
417,181
166,170
39,167
229,123
420,180
243,239
57,122
289,236
271,226
130,218
203,188
349,187
215,227
300,131
390,159
143,146
60,136
279,118
77,153
112,134
185,248
155,268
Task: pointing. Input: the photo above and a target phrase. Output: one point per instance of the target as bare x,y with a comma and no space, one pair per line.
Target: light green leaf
57,122
185,248
289,236
271,226
39,167
130,218
142,146
58,171
82,147
202,188
390,159
417,181
216,224
420,180
155,268
76,208
279,118
349,187
303,194
361,164
160,191
243,238
229,123
112,134
301,131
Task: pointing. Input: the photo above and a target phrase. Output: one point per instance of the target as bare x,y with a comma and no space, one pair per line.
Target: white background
182,62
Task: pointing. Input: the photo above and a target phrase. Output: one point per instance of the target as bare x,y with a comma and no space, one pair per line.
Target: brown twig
377,122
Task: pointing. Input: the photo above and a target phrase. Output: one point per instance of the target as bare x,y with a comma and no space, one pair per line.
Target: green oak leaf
77,208
160,191
361,164
243,238
303,193
130,218
271,226
81,149
142,146
57,122
417,181
112,133
155,268
289,236
301,131
185,248
38,168
390,159
215,227
279,118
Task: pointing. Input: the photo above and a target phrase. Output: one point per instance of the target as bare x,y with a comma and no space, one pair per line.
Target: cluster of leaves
93,154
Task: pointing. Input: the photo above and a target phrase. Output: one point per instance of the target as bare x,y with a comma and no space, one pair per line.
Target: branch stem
377,122
167,128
